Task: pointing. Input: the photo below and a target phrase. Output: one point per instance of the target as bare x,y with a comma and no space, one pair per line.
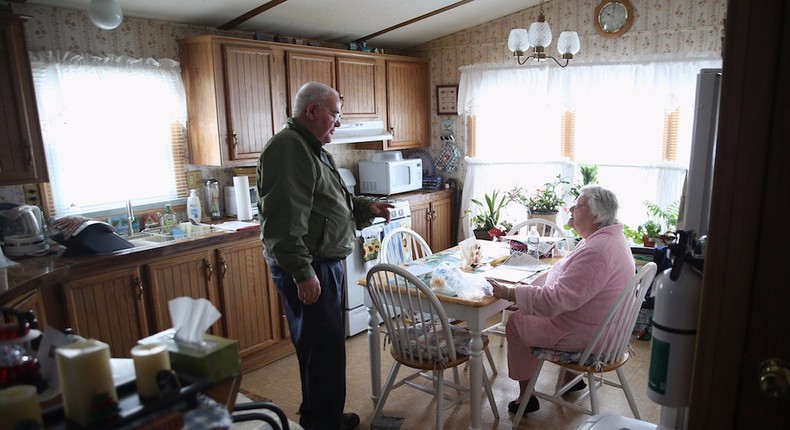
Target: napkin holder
215,359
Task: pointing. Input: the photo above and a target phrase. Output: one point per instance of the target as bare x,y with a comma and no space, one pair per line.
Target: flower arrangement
545,200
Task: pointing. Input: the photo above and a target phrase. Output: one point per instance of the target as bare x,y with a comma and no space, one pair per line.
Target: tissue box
215,360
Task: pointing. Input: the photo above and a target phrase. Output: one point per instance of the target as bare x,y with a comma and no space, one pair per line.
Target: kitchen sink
183,231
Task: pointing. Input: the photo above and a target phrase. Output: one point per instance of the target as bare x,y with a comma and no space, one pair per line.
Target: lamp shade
518,41
539,34
568,43
105,14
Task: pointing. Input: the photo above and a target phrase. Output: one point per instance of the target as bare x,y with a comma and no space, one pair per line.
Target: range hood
361,131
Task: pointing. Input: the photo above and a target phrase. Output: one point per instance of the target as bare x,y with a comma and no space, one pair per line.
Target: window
113,130
532,123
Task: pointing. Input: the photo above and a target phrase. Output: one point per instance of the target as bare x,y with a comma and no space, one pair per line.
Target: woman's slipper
532,406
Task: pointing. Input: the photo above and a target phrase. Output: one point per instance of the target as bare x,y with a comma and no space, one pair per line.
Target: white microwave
231,206
390,177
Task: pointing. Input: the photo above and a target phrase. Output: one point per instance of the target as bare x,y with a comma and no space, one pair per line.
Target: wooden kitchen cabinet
22,158
408,100
235,93
431,215
109,307
30,302
190,274
359,80
246,288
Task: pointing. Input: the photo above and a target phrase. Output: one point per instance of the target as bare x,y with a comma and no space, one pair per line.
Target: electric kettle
23,233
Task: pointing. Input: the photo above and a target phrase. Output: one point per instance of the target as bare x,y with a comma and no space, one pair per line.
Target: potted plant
545,202
661,224
589,176
486,221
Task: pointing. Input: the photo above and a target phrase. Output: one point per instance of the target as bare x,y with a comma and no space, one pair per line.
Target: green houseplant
487,217
589,176
546,200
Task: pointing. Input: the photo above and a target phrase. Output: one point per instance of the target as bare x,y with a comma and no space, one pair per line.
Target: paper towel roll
241,188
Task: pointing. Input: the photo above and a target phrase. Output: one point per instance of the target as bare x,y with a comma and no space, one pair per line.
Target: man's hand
309,290
381,209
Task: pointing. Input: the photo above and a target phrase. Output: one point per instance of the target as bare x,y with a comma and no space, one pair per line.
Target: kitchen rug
386,423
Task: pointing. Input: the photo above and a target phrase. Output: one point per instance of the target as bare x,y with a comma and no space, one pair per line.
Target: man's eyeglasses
335,115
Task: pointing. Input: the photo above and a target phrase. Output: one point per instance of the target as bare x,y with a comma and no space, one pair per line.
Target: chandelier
539,38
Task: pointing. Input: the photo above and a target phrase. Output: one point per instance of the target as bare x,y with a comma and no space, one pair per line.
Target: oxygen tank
677,291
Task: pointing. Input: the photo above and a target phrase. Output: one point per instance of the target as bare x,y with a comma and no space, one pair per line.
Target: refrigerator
695,201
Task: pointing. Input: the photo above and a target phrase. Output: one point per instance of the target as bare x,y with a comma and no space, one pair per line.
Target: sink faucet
129,217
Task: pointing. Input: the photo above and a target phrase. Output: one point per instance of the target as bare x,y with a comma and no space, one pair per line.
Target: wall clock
613,17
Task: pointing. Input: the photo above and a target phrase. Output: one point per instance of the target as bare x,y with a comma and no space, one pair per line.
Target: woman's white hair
603,204
311,93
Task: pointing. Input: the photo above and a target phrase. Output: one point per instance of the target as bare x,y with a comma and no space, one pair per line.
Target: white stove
356,315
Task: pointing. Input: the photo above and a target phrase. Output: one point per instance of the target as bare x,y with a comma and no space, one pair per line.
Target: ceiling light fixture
539,37
105,14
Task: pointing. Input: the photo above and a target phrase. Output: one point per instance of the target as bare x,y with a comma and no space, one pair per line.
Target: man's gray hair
603,204
311,93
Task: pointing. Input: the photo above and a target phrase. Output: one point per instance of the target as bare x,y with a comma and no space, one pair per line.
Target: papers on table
516,268
418,269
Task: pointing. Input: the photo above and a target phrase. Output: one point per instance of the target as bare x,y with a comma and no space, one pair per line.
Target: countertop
45,270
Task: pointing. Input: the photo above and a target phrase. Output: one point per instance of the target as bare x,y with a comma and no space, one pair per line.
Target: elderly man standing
307,226
562,308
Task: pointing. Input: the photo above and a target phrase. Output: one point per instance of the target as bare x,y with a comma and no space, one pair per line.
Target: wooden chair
404,245
545,229
608,350
420,338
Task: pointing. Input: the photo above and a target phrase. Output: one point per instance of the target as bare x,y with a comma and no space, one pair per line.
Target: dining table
475,312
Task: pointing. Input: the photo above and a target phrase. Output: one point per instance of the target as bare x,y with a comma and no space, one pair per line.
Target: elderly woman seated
562,308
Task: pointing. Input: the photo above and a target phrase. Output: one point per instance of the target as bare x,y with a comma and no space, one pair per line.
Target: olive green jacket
305,210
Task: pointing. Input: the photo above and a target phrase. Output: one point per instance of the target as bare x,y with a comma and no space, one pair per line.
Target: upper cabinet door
361,83
22,158
235,98
304,68
252,115
408,97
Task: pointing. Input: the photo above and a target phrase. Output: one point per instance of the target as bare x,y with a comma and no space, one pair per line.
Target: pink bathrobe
561,310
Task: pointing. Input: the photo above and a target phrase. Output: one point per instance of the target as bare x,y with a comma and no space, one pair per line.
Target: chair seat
571,360
416,340
462,352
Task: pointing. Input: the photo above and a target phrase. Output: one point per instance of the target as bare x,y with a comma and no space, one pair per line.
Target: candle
149,359
86,383
19,408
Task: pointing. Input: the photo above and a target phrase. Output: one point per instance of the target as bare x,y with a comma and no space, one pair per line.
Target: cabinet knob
28,152
224,266
235,140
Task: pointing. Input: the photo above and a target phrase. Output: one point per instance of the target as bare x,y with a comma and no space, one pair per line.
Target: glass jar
18,366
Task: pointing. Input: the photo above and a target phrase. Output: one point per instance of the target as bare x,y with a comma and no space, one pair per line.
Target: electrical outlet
32,196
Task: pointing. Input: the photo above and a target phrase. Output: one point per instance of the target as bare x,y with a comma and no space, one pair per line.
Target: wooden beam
413,20
230,25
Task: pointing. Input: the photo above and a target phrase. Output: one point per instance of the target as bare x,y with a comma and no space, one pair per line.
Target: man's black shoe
532,406
350,421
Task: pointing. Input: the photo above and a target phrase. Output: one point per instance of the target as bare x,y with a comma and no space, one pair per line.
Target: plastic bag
450,280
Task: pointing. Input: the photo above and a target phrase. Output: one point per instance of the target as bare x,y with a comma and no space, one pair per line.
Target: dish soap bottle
193,207
168,220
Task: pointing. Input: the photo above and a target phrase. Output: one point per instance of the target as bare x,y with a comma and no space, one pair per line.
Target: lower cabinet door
109,307
191,274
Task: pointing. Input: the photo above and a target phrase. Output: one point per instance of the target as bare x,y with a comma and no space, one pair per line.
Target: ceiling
337,21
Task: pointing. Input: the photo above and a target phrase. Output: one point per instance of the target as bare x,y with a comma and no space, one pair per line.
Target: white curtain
106,124
619,112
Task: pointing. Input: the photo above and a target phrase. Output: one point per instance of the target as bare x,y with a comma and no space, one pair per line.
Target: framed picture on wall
446,99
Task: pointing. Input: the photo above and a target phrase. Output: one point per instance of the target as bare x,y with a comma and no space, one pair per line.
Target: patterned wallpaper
661,29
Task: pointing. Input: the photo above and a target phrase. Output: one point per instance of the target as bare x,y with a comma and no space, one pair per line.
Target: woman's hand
501,291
